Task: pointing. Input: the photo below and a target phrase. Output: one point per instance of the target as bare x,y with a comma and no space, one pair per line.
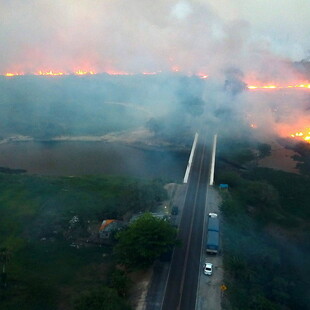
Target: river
87,158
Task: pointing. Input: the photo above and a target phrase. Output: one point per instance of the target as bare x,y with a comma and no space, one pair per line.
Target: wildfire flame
10,74
302,135
91,72
256,86
114,72
303,85
82,72
52,73
175,69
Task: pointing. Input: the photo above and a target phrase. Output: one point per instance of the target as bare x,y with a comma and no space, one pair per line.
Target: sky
259,38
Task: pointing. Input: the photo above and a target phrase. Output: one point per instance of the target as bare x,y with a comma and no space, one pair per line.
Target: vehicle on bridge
213,234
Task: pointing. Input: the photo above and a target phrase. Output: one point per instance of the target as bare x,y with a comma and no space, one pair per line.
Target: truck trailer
213,234
213,239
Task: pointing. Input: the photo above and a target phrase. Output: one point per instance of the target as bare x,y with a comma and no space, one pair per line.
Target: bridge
182,277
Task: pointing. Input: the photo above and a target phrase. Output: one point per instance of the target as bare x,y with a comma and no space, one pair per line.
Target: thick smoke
231,41
135,36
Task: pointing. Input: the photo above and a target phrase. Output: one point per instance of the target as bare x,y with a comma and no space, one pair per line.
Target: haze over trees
265,236
46,255
45,108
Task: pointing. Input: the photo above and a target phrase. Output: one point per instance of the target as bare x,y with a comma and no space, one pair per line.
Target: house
163,216
108,227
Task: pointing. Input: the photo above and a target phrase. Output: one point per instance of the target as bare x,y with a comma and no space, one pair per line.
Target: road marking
213,160
189,165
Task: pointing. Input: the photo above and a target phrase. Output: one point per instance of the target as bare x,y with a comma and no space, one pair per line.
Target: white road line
213,160
189,165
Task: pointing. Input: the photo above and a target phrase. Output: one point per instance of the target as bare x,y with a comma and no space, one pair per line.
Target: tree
231,178
264,150
143,241
120,281
102,299
243,156
260,194
5,256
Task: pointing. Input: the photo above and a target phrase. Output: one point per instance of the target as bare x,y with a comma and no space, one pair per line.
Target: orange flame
52,73
251,86
114,72
82,72
92,72
9,74
302,135
261,87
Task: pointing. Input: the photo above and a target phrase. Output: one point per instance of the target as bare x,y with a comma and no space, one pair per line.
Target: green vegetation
103,299
5,257
303,149
146,239
120,281
264,150
266,238
47,257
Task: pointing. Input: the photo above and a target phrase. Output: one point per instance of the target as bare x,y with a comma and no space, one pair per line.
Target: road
209,293
182,283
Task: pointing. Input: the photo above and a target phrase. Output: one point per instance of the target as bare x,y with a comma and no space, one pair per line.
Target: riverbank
139,138
95,156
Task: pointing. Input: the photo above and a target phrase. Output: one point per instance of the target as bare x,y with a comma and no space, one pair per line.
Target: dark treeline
265,234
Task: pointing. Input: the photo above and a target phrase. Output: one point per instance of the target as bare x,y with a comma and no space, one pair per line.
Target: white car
207,269
212,214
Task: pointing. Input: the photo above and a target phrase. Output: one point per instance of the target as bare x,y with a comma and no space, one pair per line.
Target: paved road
182,281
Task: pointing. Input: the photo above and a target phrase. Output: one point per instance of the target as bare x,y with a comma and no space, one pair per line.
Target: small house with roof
108,227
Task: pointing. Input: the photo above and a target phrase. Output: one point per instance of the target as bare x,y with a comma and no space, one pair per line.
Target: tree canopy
104,299
146,239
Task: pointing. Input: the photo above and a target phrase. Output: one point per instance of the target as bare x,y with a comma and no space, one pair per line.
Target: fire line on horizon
80,72
302,85
305,85
305,136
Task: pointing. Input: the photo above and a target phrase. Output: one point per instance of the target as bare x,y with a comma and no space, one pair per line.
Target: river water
87,158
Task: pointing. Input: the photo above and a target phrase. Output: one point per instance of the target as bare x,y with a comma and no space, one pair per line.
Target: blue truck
213,234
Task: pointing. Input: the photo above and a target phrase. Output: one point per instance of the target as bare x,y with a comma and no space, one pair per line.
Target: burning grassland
165,105
281,158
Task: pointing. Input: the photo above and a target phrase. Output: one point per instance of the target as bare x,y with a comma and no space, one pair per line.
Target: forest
265,233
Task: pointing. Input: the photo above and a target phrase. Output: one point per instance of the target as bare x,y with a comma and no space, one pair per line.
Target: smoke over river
202,56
